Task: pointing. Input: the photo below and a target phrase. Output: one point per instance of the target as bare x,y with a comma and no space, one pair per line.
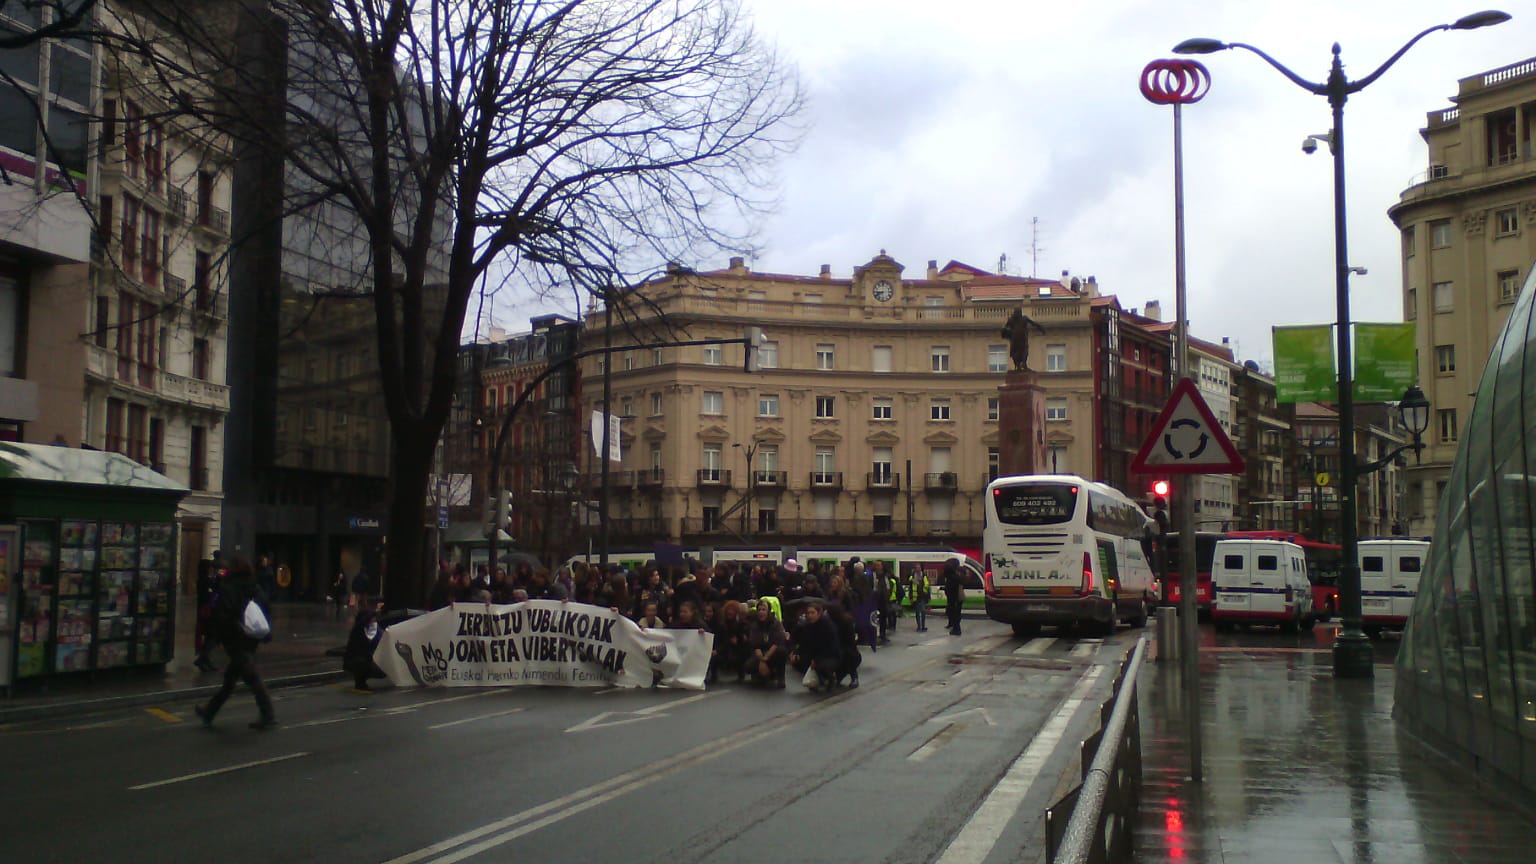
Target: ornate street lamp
1352,653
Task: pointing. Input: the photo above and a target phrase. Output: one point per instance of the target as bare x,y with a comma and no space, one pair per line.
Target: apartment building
1262,432
873,412
1468,240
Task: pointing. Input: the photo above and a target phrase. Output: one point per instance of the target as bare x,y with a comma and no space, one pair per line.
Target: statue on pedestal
1016,331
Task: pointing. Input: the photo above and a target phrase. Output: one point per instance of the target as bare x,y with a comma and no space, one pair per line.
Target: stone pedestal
1021,424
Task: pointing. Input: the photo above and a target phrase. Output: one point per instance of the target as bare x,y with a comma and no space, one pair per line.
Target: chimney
1154,310
738,264
826,271
933,269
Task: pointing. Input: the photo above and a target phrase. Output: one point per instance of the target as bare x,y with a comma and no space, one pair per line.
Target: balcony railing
618,481
840,529
769,480
826,481
942,481
176,203
648,529
175,286
650,478
710,478
214,305
204,395
883,481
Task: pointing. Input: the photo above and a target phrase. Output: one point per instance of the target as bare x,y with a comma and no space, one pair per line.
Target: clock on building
884,291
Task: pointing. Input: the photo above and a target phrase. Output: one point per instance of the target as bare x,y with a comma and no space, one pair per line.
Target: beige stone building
1469,237
873,413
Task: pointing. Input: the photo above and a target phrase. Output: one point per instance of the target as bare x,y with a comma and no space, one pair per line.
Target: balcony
199,394
646,530
714,478
215,220
212,305
882,481
826,481
841,530
946,482
618,481
175,287
176,201
769,480
650,478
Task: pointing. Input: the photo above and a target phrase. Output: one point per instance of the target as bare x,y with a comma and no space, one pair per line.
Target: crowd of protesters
767,619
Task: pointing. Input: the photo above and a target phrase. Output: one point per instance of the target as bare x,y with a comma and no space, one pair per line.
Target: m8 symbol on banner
1175,82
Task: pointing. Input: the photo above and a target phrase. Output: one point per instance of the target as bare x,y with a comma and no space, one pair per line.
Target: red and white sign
1186,439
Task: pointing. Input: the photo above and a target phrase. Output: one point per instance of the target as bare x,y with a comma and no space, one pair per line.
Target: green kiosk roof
49,464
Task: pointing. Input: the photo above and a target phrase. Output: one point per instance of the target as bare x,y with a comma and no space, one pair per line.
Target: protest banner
546,642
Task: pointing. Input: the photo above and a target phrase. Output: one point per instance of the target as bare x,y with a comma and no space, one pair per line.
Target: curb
23,713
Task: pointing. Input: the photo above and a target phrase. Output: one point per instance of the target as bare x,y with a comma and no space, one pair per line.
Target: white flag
615,447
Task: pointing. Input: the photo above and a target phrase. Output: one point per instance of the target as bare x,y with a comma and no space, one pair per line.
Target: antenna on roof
1034,247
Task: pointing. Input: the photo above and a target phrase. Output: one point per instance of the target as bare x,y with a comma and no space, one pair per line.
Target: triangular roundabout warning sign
1186,439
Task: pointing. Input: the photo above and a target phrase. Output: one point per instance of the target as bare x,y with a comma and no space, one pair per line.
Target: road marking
403,709
654,712
162,714
576,802
934,744
1036,647
976,839
1083,649
481,717
955,717
201,774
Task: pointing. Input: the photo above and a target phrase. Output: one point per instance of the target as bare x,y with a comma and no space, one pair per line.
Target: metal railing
1094,823
884,481
942,481
827,480
712,477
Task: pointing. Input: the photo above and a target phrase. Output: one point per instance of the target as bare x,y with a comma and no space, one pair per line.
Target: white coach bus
1062,550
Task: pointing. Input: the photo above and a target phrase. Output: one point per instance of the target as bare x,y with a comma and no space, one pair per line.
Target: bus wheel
1139,620
1025,631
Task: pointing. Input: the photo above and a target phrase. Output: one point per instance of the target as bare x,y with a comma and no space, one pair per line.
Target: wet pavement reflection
1300,767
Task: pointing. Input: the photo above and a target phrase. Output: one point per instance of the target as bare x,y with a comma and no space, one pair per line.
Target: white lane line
664,706
201,774
1035,648
976,839
481,717
402,709
1083,649
936,743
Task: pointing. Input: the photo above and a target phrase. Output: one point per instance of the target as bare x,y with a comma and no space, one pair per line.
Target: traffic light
1160,490
504,508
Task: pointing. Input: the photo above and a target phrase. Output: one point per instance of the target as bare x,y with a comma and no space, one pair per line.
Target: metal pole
1352,655
602,492
1189,609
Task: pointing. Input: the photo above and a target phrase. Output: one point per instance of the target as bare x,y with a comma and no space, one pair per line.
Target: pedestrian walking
954,594
207,591
231,625
920,591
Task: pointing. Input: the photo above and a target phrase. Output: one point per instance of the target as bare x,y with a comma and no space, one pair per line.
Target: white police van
1260,582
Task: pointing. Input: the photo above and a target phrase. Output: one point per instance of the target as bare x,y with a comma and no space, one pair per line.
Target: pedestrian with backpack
241,621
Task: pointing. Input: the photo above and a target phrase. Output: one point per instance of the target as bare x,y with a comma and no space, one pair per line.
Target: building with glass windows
1466,672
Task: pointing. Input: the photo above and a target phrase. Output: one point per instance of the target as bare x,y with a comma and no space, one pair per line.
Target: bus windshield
1035,503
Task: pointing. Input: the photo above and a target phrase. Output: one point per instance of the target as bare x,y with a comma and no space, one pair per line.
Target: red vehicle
1168,568
1323,562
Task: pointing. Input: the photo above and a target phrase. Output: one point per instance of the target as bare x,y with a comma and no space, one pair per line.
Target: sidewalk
302,634
1301,767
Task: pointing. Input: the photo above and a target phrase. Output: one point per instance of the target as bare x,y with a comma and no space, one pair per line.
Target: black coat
817,641
229,610
359,651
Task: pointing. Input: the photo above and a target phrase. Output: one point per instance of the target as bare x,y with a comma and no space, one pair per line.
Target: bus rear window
1039,504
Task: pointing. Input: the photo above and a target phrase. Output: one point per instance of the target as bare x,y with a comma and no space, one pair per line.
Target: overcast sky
940,130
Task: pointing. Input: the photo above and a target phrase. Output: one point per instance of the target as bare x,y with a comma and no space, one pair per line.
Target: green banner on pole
1304,364
1385,365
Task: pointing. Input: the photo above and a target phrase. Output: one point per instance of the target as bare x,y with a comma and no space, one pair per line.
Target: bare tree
574,143
68,17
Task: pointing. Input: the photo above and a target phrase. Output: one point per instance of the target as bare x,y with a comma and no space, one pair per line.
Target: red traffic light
1160,488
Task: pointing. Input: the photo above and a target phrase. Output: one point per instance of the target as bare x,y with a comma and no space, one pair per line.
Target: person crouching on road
238,589
849,659
363,639
816,654
767,648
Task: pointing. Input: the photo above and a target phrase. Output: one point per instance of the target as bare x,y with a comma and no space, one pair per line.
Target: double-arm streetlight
1352,655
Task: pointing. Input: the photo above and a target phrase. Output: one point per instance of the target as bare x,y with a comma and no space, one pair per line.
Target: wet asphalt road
905,768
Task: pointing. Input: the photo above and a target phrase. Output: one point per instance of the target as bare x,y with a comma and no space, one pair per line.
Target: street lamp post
1352,655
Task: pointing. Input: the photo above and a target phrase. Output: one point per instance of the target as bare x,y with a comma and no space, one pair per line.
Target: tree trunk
407,554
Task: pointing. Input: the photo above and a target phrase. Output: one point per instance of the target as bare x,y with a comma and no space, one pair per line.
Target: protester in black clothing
361,642
730,647
767,648
954,594
740,581
849,659
237,589
543,588
816,653
441,593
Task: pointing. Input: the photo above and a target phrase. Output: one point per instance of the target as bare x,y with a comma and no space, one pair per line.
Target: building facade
1263,431
873,411
1469,237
